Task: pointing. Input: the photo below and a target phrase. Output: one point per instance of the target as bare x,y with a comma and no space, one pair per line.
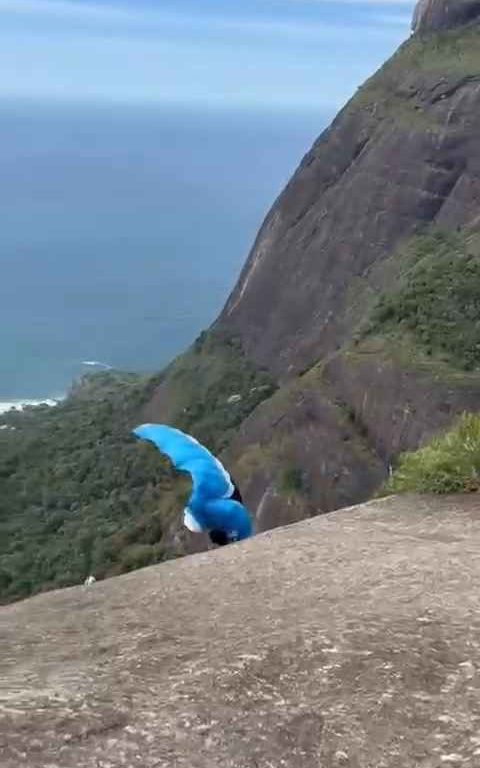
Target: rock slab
348,640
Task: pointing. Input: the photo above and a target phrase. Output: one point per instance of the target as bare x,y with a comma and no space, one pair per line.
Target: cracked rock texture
350,640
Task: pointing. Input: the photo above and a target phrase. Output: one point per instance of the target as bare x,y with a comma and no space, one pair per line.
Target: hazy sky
292,53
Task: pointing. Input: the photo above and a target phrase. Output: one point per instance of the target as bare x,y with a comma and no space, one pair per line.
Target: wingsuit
215,505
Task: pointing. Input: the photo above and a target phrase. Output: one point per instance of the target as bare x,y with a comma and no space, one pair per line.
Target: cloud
116,14
69,50
66,9
145,18
386,3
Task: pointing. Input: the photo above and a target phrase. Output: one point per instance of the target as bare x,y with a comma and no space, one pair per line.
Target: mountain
361,295
346,641
353,334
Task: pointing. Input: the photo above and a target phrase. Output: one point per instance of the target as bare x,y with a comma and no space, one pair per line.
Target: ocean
123,230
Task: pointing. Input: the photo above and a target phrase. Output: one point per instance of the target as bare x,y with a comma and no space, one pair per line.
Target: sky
294,54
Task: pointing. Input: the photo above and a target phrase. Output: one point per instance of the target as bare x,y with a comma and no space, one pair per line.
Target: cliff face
400,163
404,153
436,15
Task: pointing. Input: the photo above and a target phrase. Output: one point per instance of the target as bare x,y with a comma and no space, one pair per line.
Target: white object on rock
234,399
89,581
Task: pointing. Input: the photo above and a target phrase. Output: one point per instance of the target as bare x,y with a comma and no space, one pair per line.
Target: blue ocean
123,230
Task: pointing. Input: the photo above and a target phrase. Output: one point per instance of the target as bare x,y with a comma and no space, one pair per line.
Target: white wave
19,405
97,364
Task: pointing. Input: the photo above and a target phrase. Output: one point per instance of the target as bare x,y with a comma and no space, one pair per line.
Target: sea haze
123,230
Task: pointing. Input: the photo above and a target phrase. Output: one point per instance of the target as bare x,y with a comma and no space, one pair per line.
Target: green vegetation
451,51
80,495
449,464
436,300
402,88
213,388
292,480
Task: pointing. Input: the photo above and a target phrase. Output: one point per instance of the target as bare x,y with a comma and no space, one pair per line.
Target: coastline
19,405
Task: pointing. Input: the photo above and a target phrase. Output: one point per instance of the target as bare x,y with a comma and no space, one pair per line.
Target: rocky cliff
436,15
383,210
403,154
348,641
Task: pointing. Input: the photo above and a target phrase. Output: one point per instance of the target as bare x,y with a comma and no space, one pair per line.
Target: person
215,505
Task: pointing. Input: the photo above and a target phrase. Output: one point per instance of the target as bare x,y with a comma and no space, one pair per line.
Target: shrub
448,464
292,480
437,300
137,556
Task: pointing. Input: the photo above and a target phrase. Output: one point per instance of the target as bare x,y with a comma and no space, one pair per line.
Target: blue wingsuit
212,507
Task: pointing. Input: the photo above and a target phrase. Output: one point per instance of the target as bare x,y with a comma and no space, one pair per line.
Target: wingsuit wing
210,479
210,506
